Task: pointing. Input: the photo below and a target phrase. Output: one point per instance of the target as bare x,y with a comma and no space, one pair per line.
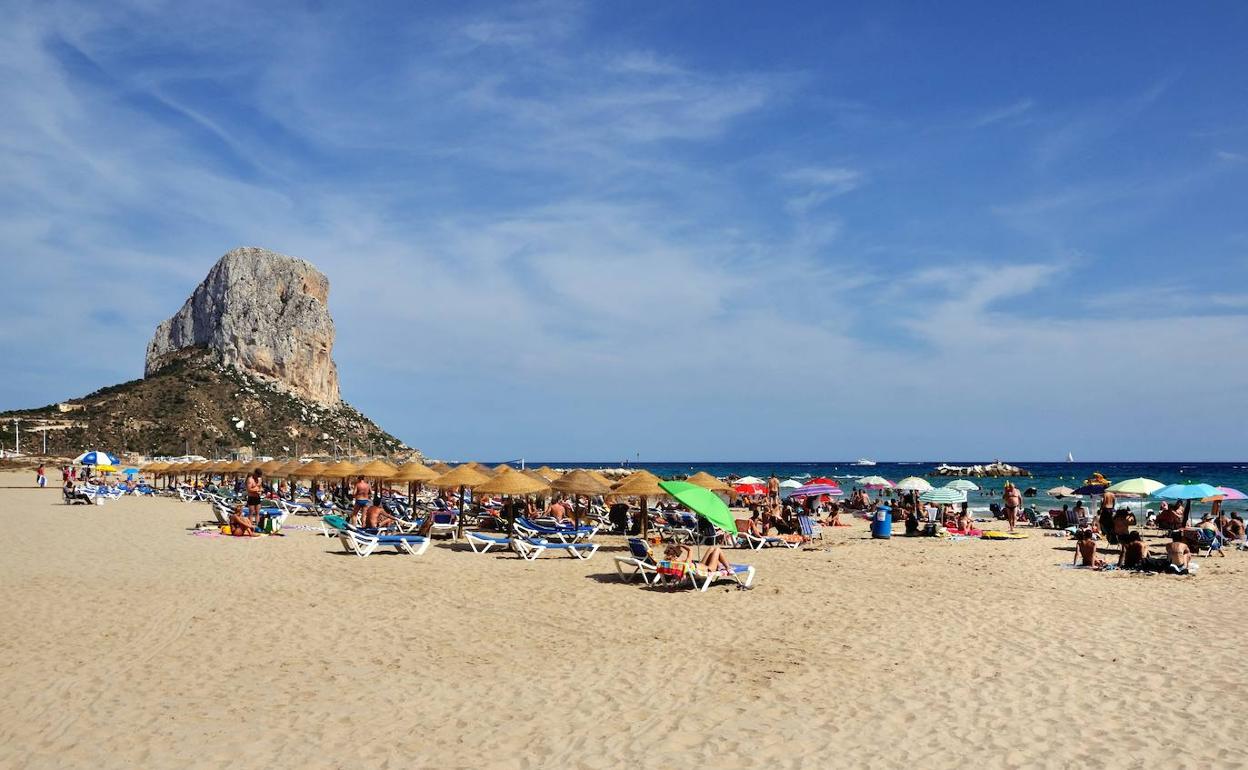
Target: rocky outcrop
264,313
996,469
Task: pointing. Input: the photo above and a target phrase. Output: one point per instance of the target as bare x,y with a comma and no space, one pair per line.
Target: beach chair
759,542
809,528
641,560
700,577
75,497
482,542
363,543
445,523
531,529
675,530
531,548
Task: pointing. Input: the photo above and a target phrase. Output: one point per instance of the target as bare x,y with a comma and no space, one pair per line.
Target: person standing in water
1013,502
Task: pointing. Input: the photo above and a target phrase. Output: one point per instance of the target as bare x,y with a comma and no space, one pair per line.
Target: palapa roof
288,469
641,483
503,467
707,481
156,467
548,473
601,476
511,482
440,468
414,471
462,476
233,466
340,469
270,467
377,469
310,470
580,482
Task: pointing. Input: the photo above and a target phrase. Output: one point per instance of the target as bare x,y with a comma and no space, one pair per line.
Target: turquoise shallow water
1044,475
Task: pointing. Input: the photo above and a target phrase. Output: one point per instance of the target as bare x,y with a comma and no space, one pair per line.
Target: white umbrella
751,480
962,485
875,481
913,484
943,496
788,484
96,457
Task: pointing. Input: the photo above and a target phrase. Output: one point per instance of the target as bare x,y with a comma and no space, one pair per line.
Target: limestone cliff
264,313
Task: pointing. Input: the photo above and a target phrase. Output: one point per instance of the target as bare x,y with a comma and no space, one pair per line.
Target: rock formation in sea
264,313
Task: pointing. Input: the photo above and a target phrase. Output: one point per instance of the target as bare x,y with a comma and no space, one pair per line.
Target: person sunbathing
240,525
1179,554
1085,551
712,559
376,517
1234,529
1134,552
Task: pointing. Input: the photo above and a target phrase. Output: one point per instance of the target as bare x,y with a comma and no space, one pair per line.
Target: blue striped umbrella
943,496
96,457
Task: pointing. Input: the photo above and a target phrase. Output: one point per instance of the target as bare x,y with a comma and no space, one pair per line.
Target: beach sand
128,642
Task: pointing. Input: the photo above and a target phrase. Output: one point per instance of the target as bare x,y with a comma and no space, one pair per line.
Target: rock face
264,313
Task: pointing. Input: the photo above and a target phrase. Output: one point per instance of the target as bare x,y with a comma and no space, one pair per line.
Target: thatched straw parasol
502,467
377,469
268,468
157,467
414,471
310,470
340,470
645,485
462,476
707,481
580,482
512,483
602,477
440,468
548,473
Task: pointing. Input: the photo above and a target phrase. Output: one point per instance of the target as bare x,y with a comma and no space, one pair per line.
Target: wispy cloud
1008,113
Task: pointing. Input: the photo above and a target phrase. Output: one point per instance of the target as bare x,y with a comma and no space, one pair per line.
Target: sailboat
1070,457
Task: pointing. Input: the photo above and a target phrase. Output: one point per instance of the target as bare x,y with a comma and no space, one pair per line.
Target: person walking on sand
255,486
363,498
1013,501
40,477
773,487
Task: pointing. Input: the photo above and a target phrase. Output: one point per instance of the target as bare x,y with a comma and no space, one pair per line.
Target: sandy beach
129,642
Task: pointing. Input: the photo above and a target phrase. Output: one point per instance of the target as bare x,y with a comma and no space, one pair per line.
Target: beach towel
676,569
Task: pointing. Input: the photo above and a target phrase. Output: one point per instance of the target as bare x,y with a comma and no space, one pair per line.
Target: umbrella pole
645,519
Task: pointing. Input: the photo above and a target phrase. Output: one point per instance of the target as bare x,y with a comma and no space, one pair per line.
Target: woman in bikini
713,559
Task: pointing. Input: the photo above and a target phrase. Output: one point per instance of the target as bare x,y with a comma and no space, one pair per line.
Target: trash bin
882,524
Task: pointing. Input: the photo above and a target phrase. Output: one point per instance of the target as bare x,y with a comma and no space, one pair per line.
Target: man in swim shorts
255,487
1013,501
363,498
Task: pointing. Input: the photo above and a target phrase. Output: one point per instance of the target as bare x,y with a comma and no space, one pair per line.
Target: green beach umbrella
1136,486
703,502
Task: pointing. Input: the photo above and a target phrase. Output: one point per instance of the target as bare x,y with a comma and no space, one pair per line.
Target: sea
1044,475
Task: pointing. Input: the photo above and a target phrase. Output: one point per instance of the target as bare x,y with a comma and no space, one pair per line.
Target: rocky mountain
264,313
244,367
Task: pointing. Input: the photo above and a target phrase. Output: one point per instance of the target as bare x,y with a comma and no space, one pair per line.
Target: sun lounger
759,542
362,543
481,542
701,577
531,548
445,523
641,560
810,530
75,497
531,529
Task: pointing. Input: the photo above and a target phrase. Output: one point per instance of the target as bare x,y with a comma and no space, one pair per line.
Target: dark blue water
1044,475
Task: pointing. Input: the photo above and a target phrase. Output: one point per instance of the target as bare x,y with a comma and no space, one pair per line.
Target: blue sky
674,230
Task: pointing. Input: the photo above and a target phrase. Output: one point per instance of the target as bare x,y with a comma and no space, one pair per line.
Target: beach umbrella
512,483
106,468
641,484
707,481
548,473
703,502
1136,486
824,480
267,468
131,472
812,489
786,484
1061,491
913,484
943,496
580,482
1186,492
1090,490
962,485
463,477
502,467
440,468
751,489
1229,493
602,477
96,457
340,469
751,480
875,482
310,470
414,471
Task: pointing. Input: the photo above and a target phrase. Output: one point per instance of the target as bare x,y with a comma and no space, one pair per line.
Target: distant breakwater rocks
996,469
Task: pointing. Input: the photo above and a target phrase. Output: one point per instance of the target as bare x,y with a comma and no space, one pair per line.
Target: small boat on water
1070,457
864,461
